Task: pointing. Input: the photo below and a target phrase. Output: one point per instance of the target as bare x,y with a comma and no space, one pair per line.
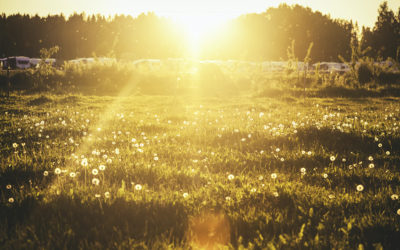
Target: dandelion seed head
394,197
8,186
371,165
332,158
95,171
185,195
95,181
107,194
273,175
360,188
45,173
138,187
231,177
84,162
72,174
57,171
102,167
11,200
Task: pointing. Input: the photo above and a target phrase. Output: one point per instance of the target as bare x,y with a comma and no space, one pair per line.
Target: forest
254,37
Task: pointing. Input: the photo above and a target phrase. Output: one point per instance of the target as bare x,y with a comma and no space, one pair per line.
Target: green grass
182,171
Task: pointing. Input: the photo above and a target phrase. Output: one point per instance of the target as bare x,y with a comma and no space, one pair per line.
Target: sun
199,27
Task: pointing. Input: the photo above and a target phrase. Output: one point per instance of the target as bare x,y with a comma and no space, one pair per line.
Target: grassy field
178,172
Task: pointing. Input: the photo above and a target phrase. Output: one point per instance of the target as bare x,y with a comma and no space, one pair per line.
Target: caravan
18,62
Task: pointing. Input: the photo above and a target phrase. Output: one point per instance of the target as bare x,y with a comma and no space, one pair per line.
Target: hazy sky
362,11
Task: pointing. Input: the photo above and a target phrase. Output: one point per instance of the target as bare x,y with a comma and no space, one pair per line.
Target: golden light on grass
209,230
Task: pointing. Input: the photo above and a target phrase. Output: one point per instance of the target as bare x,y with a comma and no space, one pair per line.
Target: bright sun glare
200,26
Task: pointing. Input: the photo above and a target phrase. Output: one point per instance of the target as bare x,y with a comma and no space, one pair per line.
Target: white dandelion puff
95,181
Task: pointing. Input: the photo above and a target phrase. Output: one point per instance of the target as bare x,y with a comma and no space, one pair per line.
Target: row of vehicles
23,62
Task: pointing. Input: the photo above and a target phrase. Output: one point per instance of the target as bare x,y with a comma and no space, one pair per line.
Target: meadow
244,172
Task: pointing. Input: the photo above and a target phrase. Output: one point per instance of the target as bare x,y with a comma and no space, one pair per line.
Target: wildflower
15,145
332,158
394,197
97,195
309,153
156,158
275,194
260,178
45,173
360,188
231,177
185,195
387,152
8,186
371,165
380,145
95,171
253,190
138,187
102,167
273,176
277,150
325,175
344,160
107,194
117,151
57,171
331,196
228,198
11,200
303,170
95,181
370,158
282,159
72,175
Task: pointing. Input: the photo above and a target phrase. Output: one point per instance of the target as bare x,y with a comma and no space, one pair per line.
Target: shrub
364,73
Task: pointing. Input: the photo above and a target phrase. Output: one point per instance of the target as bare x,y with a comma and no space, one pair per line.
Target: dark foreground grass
180,172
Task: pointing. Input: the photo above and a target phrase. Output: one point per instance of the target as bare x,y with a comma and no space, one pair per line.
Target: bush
364,73
389,78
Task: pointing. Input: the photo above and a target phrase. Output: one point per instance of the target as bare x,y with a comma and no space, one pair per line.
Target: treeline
258,37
